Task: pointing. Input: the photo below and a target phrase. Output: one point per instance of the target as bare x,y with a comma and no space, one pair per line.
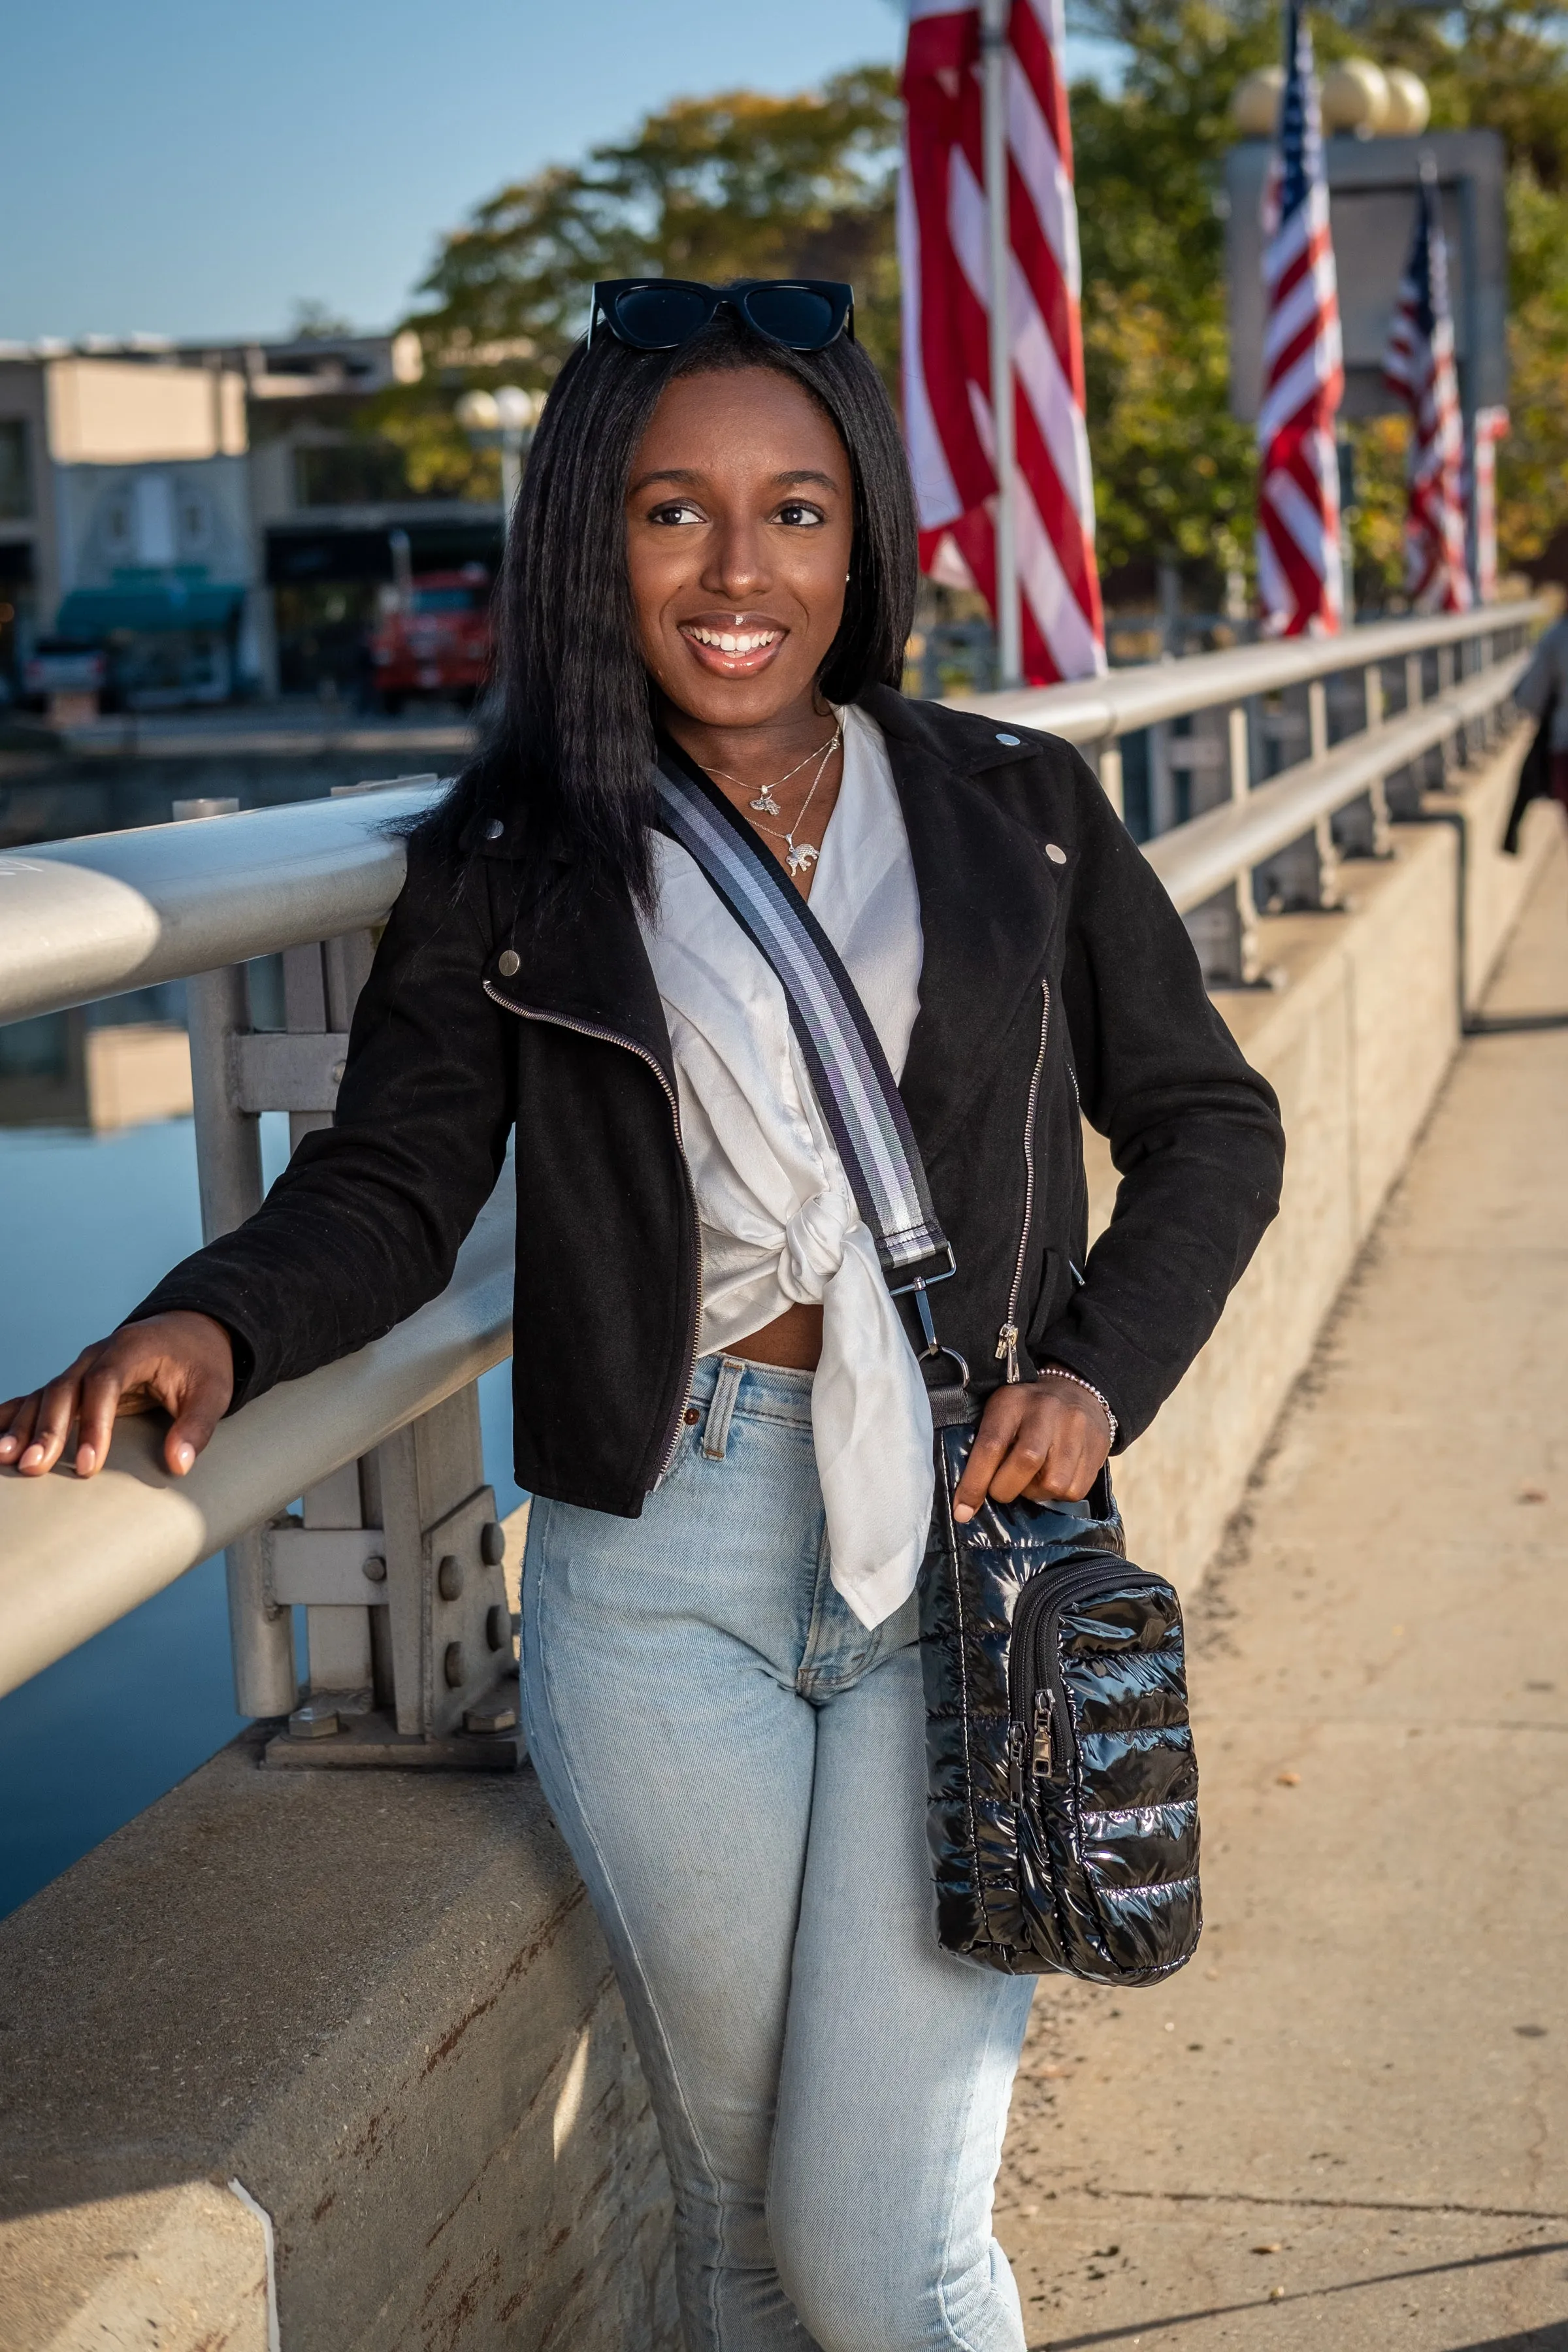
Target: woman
717,1401
1542,692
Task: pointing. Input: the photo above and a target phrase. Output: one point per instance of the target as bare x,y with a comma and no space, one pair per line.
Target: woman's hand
183,1362
1046,1440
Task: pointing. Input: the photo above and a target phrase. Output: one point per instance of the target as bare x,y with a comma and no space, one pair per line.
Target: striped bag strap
855,1086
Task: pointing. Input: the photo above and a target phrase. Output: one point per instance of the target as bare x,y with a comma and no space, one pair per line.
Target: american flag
948,416
1418,365
1303,372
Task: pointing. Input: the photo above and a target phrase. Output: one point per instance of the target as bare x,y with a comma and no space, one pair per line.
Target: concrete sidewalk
1342,2126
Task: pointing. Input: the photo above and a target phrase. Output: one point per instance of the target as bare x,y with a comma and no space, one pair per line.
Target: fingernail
184,1457
8,1447
963,1513
86,1461
34,1453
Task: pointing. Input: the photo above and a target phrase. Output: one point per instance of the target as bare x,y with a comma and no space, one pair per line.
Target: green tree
739,185
743,184
1174,473
1150,159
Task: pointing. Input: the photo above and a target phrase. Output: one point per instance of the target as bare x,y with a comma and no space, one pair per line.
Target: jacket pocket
1056,1289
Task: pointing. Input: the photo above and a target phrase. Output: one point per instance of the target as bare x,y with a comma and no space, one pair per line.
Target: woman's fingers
54,1414
182,1361
17,1415
992,1440
103,1399
1036,1439
200,1414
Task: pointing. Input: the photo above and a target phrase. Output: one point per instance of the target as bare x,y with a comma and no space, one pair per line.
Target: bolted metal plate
461,1591
372,1742
325,1566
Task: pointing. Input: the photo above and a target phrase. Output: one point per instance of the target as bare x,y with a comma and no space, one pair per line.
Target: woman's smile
732,645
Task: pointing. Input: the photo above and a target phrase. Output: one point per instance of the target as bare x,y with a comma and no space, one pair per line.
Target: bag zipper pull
1007,1350
1015,1762
1042,1732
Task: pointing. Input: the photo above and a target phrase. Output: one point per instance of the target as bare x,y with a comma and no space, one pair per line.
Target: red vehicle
432,639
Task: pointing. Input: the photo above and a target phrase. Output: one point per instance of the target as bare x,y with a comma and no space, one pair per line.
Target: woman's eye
677,510
796,513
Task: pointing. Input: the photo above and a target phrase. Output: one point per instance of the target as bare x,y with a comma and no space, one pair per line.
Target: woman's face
738,528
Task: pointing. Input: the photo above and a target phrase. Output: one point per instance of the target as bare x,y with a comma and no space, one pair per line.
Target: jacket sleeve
1548,668
1194,1132
365,1222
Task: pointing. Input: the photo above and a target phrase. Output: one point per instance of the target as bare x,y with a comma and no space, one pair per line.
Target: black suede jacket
1056,974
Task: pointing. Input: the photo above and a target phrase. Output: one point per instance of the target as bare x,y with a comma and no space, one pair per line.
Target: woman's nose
736,568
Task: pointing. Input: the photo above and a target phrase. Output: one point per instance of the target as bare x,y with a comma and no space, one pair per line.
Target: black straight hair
565,757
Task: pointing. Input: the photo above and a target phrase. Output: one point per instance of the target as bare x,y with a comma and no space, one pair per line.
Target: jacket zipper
615,1037
1007,1338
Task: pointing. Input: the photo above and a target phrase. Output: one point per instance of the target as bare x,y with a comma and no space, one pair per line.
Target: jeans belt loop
720,1408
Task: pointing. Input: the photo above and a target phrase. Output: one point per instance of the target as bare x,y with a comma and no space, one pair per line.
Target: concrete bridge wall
335,2064
1357,1043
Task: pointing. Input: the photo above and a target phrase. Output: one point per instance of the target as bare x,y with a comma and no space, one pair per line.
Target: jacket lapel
584,963
989,904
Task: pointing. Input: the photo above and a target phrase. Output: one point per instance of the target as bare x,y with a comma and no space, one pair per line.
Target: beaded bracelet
1060,1372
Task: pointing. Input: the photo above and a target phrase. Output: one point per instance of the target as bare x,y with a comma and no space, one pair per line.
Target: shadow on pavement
1508,1025
1553,2337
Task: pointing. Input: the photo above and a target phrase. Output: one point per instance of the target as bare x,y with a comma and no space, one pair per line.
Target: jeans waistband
768,1390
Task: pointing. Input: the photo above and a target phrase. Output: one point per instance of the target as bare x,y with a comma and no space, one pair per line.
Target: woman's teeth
734,641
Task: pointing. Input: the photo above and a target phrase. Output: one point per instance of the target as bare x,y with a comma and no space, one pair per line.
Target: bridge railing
358,1492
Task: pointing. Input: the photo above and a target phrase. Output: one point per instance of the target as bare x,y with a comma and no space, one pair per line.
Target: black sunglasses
659,314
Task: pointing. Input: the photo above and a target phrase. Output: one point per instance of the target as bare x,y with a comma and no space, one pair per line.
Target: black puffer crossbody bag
1063,1786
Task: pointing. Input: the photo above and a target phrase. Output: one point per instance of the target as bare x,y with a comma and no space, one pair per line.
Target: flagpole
993,15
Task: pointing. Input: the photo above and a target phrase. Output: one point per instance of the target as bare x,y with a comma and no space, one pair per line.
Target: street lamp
505,420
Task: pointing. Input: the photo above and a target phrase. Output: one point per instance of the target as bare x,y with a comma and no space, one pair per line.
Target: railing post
396,1558
1377,794
229,1173
1316,718
1224,930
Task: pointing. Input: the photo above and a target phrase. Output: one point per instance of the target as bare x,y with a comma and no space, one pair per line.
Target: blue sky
192,168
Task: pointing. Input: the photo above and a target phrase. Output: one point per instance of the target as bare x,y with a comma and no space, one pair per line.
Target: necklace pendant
765,802
801,859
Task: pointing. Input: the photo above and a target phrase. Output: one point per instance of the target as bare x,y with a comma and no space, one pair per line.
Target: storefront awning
146,605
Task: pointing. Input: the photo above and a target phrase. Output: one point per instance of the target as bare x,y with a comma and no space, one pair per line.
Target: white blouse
779,1223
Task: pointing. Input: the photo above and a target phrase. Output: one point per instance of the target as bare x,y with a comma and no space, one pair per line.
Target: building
327,499
217,514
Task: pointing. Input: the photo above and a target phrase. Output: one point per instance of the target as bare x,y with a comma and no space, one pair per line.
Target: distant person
1542,692
718,1403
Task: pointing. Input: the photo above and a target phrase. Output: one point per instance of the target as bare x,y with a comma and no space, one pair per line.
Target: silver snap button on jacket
1009,740
508,961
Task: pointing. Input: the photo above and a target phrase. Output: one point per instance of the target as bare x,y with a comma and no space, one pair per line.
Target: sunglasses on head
659,314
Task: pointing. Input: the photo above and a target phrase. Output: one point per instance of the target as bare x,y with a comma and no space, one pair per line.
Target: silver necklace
765,800
801,855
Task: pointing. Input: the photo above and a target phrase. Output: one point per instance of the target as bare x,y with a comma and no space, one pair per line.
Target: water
90,1222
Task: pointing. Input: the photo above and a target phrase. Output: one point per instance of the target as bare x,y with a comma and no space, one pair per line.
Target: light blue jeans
739,1769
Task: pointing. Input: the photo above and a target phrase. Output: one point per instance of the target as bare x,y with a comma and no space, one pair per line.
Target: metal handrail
77,1553
1097,710
85,918
80,919
1196,859
88,918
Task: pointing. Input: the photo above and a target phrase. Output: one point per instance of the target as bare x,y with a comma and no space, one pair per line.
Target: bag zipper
1007,1338
617,1037
1031,1751
1041,1721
